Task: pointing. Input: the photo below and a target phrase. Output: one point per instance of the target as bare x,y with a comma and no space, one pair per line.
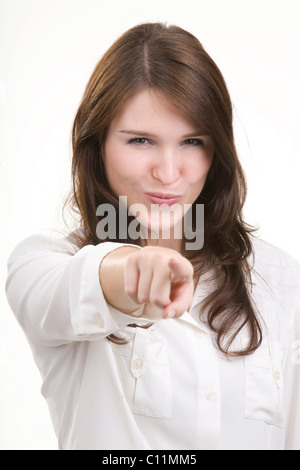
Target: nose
167,167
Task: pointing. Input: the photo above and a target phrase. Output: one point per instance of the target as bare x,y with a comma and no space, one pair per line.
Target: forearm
56,296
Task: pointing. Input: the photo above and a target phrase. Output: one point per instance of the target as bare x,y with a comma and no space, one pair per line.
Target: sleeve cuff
91,316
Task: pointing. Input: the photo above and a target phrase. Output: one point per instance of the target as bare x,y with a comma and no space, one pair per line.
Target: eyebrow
151,136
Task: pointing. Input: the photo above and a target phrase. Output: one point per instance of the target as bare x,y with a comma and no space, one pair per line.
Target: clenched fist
152,276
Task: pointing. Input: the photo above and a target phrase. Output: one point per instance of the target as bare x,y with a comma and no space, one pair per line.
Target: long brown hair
170,60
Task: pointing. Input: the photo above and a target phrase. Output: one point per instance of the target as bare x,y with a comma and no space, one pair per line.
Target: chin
164,228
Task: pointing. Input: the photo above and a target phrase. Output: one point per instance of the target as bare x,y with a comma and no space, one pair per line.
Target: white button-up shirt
168,387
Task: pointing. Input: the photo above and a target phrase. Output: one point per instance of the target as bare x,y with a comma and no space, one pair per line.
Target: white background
48,49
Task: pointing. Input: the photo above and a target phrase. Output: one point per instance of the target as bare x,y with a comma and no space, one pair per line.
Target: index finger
180,272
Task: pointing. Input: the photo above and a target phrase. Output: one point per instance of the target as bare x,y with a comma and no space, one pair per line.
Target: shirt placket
208,390
139,353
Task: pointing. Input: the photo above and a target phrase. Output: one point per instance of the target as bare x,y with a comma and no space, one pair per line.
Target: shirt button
138,363
100,322
199,333
277,374
210,395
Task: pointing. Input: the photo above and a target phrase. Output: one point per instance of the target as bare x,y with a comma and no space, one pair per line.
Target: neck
164,243
163,239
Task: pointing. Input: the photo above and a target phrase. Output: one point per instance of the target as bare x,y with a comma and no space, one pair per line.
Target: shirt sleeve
56,295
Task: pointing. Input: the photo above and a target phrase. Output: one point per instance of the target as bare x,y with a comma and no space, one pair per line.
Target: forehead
152,109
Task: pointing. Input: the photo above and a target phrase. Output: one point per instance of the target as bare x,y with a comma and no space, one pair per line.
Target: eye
138,141
193,142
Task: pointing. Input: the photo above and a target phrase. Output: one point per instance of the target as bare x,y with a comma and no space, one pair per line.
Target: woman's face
156,157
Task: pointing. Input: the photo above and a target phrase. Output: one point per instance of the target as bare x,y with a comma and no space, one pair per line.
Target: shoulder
38,243
275,268
271,254
268,255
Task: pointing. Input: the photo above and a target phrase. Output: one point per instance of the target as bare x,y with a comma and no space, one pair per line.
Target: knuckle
131,258
148,261
130,290
143,298
147,258
155,299
158,300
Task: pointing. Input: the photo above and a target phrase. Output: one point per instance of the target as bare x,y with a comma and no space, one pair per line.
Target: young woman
144,338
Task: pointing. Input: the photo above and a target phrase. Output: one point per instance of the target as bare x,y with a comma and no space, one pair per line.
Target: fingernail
171,314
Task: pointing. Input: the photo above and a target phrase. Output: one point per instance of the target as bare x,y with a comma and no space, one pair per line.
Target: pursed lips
163,198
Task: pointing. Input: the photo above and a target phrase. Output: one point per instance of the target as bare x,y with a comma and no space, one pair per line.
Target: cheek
113,161
196,172
121,170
